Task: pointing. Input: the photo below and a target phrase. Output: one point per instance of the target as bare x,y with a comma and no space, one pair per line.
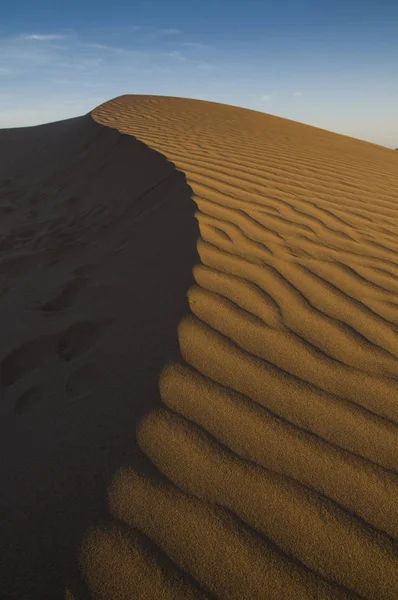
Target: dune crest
277,445
88,319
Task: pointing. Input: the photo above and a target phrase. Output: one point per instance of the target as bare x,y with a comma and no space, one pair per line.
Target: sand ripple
277,445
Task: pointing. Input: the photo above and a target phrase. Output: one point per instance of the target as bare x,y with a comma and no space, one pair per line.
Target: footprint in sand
6,210
78,339
14,265
7,243
81,381
67,298
29,399
28,356
69,344
86,270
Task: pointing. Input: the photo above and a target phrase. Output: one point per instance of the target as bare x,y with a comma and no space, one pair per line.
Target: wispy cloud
77,70
78,83
111,31
205,66
298,94
22,54
43,37
107,48
198,46
176,54
267,97
71,56
80,64
170,31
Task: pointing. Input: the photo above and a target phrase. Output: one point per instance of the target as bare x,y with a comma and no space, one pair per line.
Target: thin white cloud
108,48
176,54
22,54
43,37
78,54
170,31
79,64
198,46
79,70
96,46
267,97
205,66
298,94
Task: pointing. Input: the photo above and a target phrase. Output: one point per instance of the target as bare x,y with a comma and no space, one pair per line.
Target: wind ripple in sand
277,447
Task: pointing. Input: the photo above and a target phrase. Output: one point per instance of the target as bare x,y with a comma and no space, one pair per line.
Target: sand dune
264,465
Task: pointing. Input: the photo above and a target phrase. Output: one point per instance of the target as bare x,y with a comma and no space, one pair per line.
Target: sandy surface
199,358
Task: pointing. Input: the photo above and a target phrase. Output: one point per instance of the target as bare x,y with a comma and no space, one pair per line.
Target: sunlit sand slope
277,447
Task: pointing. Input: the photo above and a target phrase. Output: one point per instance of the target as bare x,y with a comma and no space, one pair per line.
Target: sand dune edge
276,447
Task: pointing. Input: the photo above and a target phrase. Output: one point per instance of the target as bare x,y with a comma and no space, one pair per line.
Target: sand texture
199,360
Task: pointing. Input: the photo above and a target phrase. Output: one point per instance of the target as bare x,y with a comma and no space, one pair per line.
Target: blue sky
328,63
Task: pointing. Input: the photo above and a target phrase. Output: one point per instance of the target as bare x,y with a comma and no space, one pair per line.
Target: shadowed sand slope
93,225
276,448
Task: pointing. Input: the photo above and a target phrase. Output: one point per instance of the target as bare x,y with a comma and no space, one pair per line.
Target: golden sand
278,436
274,453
